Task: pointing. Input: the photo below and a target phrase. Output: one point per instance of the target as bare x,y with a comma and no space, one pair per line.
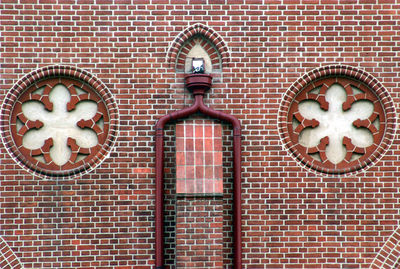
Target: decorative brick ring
337,120
59,122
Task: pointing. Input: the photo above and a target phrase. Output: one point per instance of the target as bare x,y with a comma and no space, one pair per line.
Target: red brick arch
8,259
218,50
389,255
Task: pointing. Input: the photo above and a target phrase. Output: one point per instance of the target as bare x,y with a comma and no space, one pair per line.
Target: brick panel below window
199,235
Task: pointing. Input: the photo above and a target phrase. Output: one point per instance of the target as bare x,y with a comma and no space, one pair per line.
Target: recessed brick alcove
179,208
207,37
199,232
199,189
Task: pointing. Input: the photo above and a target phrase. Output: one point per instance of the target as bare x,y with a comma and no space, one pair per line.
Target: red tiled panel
198,157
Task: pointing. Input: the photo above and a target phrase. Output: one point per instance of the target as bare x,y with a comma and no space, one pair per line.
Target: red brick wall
173,206
291,217
199,238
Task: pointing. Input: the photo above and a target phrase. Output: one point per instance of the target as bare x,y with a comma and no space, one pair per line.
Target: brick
292,216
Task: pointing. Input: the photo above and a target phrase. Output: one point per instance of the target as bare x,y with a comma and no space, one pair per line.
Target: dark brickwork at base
199,235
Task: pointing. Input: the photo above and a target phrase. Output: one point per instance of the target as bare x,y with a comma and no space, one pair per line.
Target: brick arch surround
174,57
389,255
8,259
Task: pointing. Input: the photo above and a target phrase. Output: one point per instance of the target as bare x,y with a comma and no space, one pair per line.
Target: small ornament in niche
198,66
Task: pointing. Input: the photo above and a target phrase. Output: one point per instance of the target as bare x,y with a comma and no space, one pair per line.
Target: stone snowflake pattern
59,125
337,124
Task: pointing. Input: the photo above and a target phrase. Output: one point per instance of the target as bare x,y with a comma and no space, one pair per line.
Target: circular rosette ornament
337,120
59,122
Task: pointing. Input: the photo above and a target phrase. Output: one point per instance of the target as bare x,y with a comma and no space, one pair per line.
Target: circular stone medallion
59,122
337,120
